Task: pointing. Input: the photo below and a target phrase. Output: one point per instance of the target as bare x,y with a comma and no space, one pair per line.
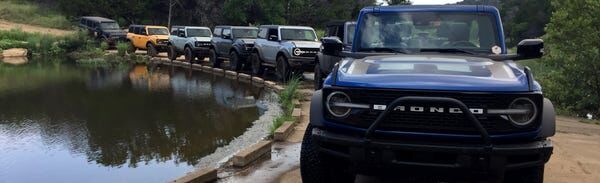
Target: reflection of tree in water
122,125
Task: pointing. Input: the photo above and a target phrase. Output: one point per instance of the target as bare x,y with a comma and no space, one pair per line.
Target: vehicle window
350,33
245,33
263,33
180,32
137,30
217,32
198,33
331,31
227,32
158,31
428,30
298,34
174,31
272,32
109,25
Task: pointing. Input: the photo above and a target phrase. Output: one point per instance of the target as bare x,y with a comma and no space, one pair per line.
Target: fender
236,47
548,127
316,109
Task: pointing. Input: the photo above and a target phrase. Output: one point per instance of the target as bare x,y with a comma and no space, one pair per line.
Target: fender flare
548,126
316,109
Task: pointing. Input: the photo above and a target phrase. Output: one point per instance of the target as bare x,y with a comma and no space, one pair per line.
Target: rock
15,52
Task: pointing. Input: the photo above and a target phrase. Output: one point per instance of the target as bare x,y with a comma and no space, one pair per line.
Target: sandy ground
6,25
576,156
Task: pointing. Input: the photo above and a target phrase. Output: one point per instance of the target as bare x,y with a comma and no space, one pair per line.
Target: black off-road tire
189,55
319,76
527,175
256,65
151,50
234,61
214,59
172,53
131,49
282,69
317,168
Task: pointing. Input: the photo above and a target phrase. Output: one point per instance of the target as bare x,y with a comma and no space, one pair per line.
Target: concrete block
196,67
218,72
231,73
207,69
15,52
283,131
297,112
198,176
270,84
258,80
243,76
252,153
278,88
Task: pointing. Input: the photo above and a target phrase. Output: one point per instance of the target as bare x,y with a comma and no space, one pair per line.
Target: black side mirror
530,48
273,38
331,46
181,34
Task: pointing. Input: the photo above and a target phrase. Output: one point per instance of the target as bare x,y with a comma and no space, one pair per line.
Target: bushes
28,13
44,44
122,48
286,98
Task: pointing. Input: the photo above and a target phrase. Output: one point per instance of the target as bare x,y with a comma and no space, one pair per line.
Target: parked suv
234,43
429,94
287,48
103,29
153,39
342,30
192,42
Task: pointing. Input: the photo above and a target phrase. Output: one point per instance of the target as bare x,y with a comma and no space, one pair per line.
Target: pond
63,122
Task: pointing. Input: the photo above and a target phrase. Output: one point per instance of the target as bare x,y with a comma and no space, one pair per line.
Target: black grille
434,122
306,52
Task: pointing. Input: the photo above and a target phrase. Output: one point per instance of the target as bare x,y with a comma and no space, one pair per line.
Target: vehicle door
271,46
143,37
226,41
260,41
181,39
217,38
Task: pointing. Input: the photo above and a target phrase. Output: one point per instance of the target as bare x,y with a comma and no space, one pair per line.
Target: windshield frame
492,13
294,28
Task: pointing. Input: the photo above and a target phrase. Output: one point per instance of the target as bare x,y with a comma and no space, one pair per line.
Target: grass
29,13
286,98
590,121
44,44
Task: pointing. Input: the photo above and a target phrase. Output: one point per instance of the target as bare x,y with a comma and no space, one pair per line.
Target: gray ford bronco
192,42
286,48
234,43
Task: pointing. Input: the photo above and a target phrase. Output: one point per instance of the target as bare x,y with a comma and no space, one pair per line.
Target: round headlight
528,108
335,98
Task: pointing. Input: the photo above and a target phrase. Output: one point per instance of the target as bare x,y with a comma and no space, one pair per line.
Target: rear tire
172,53
316,168
234,61
283,69
189,55
257,68
214,59
151,50
318,83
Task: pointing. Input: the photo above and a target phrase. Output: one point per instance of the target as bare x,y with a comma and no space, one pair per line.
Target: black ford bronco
103,29
234,43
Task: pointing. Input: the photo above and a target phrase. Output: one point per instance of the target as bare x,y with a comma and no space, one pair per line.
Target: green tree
571,72
398,2
524,19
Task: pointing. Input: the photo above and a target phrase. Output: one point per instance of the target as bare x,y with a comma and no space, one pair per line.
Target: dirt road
6,25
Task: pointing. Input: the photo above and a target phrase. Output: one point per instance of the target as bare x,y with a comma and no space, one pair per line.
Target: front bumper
373,151
201,51
301,61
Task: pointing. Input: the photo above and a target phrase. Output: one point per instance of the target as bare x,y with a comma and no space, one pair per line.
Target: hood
432,72
202,39
246,40
161,36
306,44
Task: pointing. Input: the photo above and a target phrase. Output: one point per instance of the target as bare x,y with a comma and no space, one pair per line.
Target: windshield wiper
393,50
447,50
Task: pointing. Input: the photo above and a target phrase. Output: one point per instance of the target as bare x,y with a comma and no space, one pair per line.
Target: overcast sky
432,1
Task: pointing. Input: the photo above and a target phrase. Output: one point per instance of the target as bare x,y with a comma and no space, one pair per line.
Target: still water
60,122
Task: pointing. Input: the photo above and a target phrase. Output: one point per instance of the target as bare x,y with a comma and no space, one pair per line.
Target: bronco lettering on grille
451,110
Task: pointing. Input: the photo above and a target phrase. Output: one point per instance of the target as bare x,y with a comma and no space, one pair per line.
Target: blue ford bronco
429,94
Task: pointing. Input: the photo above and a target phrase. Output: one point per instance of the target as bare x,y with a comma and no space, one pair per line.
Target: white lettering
476,111
454,110
379,107
436,109
417,109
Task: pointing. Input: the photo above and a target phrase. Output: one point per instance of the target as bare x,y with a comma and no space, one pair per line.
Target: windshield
245,33
351,29
428,30
198,33
109,25
158,31
298,34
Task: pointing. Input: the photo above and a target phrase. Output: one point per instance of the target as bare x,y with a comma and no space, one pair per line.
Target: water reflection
140,120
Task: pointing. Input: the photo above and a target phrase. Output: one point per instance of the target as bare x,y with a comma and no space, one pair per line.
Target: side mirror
331,46
181,34
273,38
530,48
226,36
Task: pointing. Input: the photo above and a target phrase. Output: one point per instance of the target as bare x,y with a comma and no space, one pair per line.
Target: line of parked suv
288,50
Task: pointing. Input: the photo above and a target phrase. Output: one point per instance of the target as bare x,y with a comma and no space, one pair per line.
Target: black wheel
172,53
131,49
257,68
532,174
189,55
151,50
319,76
214,59
282,69
317,168
234,61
